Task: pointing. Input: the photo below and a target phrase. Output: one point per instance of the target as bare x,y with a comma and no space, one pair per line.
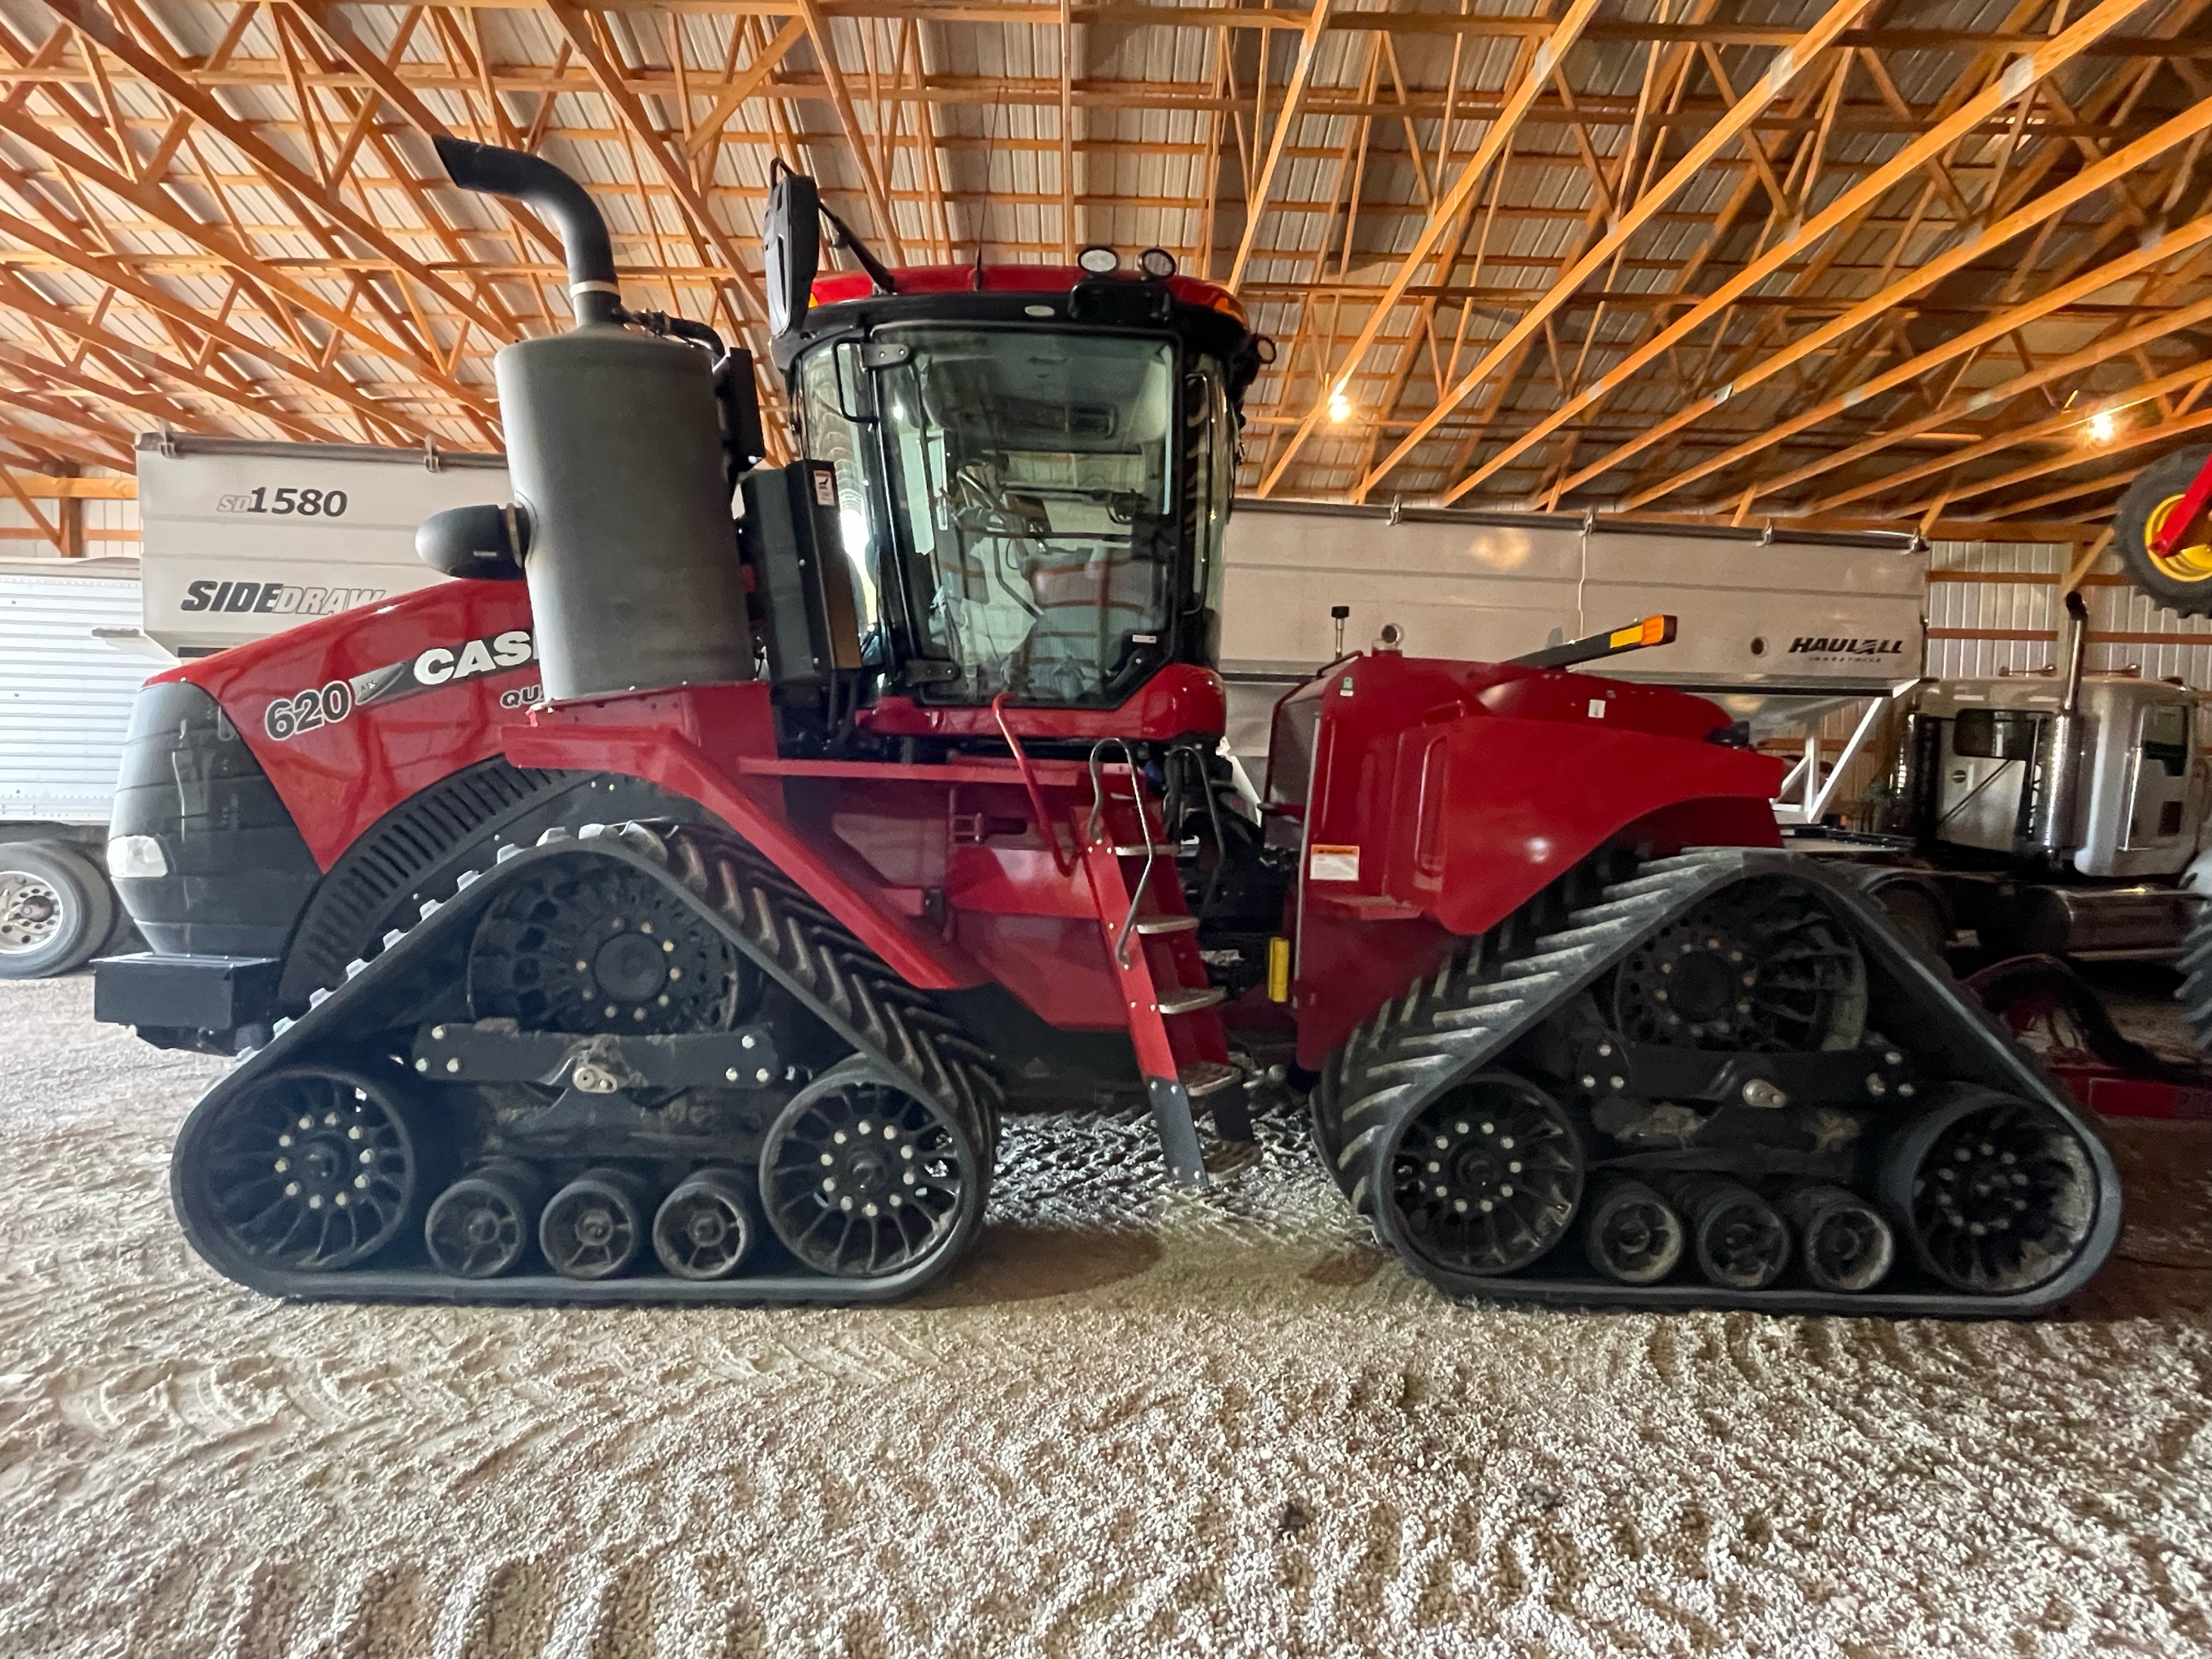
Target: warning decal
1332,863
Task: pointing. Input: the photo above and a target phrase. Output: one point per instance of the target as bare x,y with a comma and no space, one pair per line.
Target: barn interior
1839,363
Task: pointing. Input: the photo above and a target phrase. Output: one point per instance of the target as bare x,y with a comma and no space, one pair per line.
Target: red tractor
700,965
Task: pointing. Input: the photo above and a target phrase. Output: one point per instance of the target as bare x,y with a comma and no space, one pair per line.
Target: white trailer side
64,702
1767,622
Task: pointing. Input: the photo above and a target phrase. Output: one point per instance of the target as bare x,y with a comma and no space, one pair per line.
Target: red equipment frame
1436,799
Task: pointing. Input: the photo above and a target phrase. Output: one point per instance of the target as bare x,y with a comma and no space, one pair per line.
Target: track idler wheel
705,1228
1741,1242
1843,1242
481,1226
595,1226
1764,965
313,1170
1999,1195
1487,1181
862,1180
1633,1235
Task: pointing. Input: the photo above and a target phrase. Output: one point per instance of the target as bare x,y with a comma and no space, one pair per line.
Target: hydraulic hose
592,292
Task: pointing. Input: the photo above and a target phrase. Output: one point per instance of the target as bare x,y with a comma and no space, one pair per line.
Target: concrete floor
1135,1423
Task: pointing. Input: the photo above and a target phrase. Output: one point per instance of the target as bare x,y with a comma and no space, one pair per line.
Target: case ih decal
440,666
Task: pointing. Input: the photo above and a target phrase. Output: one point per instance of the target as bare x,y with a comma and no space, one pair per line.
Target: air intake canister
613,446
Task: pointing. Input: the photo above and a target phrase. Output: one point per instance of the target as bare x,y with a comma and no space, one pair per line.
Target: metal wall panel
1985,620
65,696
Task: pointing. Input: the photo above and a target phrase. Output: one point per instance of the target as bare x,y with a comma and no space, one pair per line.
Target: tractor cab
1017,479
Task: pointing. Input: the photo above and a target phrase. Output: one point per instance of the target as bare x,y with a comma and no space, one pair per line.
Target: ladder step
1189,1002
1152,925
1137,849
1202,1078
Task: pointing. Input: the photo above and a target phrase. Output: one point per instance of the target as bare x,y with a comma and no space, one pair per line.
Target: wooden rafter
1287,118
1885,295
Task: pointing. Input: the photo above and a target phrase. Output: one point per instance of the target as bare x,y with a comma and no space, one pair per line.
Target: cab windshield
1030,484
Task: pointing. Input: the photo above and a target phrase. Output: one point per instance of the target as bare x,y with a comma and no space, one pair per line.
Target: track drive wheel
1633,1235
481,1226
705,1228
1998,1196
595,1226
2181,580
313,1170
862,1180
604,947
1762,965
1487,1181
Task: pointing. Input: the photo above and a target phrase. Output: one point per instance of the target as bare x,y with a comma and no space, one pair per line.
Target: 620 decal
303,711
307,503
433,669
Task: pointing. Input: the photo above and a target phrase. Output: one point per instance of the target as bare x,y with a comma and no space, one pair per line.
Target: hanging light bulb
1339,406
2102,426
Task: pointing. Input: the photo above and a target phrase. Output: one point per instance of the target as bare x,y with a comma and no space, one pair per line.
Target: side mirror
790,240
482,544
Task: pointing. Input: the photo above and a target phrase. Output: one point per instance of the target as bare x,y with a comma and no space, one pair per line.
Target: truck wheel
2183,580
56,909
1918,915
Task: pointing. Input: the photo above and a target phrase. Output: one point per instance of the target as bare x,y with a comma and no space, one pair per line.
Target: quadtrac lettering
439,666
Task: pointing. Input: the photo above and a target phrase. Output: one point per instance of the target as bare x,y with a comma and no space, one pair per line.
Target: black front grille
238,871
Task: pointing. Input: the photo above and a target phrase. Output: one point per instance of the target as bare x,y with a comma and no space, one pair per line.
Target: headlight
135,856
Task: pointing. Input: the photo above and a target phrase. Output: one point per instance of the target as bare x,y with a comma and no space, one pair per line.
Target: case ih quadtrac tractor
872,793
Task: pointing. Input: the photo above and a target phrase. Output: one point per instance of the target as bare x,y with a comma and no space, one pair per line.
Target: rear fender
1444,796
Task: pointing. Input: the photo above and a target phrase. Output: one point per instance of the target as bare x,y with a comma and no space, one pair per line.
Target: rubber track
1453,1024
820,962
776,924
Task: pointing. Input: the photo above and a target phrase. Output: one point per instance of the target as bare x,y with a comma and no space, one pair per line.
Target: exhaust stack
593,294
2053,831
614,445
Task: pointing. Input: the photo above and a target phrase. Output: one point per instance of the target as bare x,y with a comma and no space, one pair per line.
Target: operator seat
1089,601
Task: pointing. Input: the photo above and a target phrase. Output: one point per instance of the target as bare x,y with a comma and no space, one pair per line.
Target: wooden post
69,520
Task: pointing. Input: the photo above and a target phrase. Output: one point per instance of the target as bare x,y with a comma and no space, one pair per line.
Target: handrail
1062,862
1143,828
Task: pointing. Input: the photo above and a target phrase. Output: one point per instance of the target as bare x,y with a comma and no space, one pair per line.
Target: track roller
861,1178
481,1226
1843,1242
1633,1235
1741,1242
1999,1195
705,1228
313,1169
595,1226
